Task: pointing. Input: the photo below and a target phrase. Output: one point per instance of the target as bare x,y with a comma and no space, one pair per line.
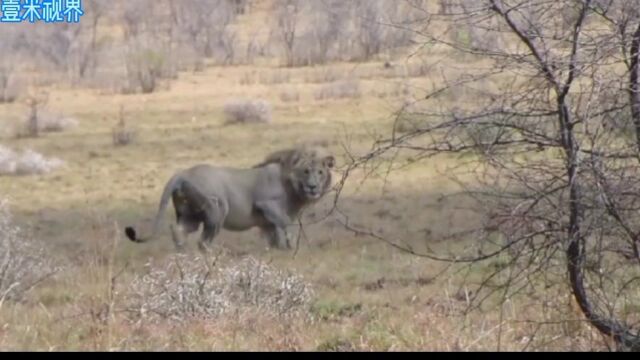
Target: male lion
267,196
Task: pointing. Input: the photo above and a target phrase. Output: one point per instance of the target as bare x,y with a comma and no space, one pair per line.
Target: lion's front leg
281,238
277,233
277,238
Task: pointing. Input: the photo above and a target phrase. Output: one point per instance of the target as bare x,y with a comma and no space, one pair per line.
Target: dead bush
24,262
27,163
290,95
188,287
245,111
31,126
343,89
122,134
52,122
40,120
45,122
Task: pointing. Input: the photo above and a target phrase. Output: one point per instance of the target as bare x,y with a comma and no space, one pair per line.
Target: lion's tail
171,186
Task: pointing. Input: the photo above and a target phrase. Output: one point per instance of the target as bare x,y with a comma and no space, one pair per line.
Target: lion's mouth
312,193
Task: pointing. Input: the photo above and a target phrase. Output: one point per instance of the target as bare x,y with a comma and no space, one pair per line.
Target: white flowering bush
26,163
187,287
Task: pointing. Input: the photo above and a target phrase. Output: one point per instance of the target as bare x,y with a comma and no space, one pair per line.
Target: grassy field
367,296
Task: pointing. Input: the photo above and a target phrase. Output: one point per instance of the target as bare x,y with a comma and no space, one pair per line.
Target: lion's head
310,176
308,169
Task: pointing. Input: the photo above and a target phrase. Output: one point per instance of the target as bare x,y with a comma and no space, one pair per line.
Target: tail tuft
131,233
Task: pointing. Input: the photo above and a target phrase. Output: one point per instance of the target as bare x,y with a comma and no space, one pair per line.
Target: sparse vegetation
342,89
24,262
244,111
275,77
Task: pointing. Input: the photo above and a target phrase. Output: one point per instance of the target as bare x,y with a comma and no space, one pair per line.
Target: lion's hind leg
214,214
213,220
181,231
210,210
187,219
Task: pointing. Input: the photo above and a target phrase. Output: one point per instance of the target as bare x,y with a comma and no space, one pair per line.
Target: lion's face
311,176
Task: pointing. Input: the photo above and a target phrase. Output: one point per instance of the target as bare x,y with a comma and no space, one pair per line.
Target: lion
268,196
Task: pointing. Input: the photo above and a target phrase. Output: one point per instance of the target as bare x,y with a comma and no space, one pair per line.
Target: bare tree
369,27
556,186
287,14
338,30
206,23
84,50
148,51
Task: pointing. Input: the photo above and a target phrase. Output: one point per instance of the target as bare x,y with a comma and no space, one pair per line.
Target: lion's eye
307,172
320,172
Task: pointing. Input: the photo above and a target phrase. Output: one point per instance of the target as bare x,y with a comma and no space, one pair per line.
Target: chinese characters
49,11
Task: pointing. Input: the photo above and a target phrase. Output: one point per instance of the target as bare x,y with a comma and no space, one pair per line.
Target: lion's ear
330,161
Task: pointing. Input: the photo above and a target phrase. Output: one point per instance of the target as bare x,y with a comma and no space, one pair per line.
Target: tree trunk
634,86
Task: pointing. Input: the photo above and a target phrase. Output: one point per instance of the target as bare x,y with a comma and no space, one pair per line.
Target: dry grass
274,77
342,89
366,297
324,75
